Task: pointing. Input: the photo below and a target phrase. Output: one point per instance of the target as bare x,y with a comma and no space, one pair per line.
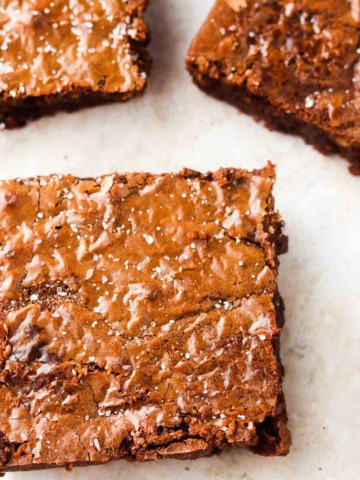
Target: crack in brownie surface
139,317
294,63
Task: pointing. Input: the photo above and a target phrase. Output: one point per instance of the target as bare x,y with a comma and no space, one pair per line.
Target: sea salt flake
309,102
149,239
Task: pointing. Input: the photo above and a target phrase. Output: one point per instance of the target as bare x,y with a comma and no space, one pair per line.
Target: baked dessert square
66,54
293,63
140,318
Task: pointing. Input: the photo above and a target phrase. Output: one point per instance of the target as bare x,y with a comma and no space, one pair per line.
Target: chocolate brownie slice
68,54
293,63
140,318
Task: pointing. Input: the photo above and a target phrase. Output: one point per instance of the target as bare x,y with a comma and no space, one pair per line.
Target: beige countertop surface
175,125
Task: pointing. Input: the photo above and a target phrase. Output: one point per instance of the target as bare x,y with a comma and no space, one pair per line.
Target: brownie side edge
16,113
274,434
273,118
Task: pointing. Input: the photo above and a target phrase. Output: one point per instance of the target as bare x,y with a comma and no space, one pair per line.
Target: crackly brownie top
301,55
138,314
50,47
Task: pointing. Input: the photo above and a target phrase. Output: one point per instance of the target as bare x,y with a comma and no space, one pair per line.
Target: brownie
294,64
67,54
140,318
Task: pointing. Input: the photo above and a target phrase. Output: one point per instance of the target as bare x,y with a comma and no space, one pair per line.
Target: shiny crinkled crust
66,54
294,63
140,318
